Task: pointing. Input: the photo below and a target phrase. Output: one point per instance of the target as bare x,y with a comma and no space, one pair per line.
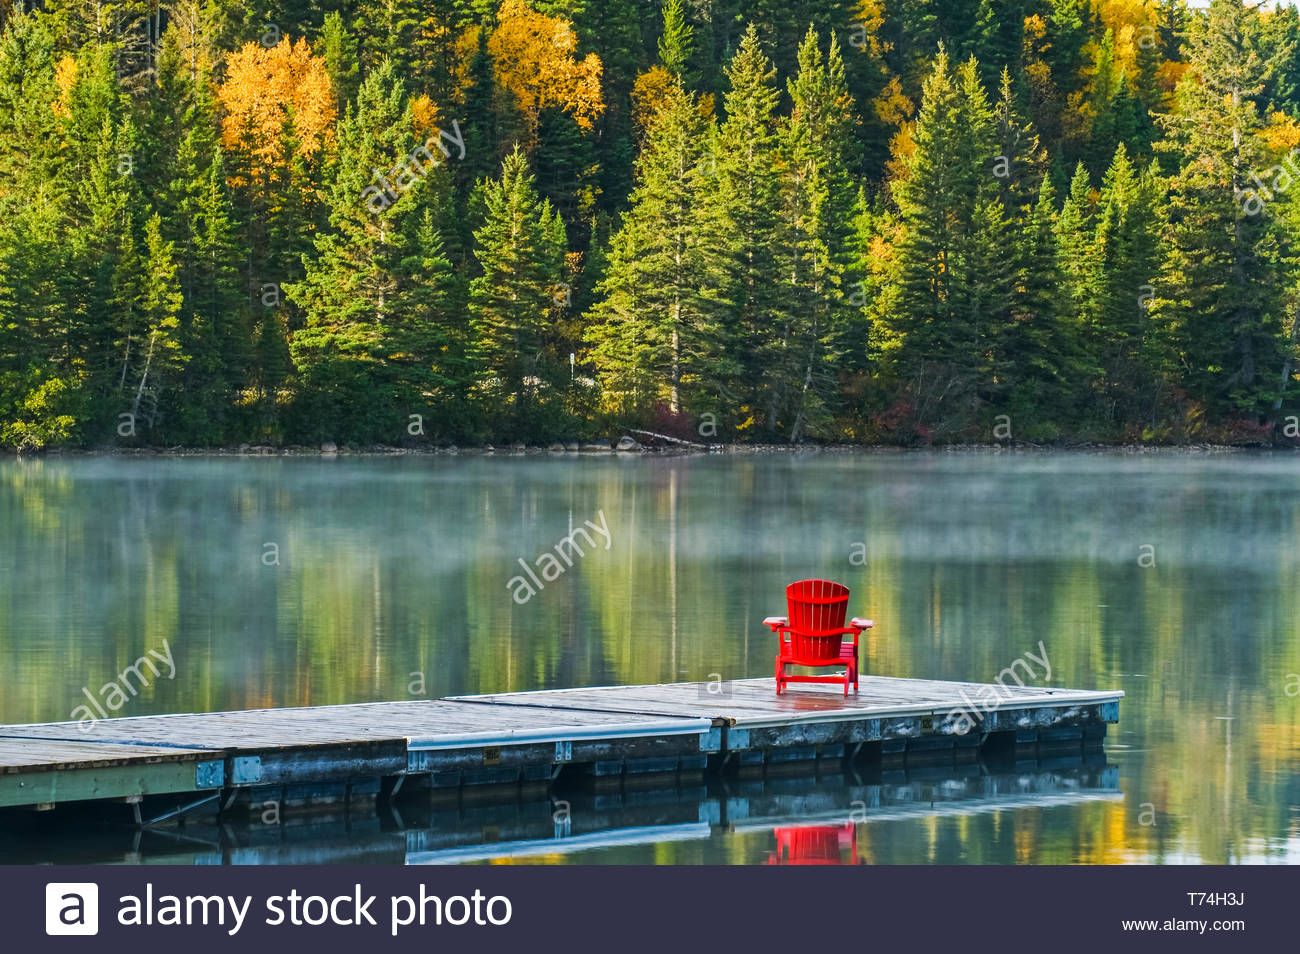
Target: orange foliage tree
534,59
263,87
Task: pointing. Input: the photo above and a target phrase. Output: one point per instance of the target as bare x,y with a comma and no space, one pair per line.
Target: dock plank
51,754
318,725
751,701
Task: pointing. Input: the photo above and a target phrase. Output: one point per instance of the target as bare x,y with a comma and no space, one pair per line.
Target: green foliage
675,44
744,198
817,334
1221,300
656,332
946,318
520,249
376,296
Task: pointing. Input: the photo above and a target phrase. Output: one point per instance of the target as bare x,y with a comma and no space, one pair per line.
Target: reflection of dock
783,803
314,756
429,828
917,798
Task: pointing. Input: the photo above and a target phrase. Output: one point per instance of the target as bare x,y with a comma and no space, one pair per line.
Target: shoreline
651,449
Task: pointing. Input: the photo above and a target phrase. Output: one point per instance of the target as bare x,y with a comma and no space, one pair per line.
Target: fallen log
671,440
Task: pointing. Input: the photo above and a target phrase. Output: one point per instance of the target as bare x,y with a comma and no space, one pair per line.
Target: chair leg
779,674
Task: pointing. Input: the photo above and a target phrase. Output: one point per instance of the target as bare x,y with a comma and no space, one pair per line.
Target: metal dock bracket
209,774
246,770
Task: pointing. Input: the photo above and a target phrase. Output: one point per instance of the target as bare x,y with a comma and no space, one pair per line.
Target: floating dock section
324,754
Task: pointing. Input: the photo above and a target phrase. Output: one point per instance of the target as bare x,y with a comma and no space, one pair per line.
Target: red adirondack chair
813,633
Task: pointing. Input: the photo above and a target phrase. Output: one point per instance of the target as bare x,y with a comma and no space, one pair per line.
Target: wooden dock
315,755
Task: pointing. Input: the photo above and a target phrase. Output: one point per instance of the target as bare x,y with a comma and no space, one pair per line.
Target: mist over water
1173,577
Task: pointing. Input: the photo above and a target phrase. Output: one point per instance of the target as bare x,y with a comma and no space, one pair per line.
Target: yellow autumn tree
1133,22
1281,133
651,92
534,57
424,113
264,86
867,24
65,77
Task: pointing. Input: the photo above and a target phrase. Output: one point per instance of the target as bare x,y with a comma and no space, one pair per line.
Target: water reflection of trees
394,567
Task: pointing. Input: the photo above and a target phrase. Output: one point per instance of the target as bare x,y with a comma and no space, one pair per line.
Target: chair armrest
776,622
859,623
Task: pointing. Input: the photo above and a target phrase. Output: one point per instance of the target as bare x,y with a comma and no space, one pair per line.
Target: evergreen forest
430,222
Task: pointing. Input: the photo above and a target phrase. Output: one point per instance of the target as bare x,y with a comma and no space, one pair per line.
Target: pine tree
520,249
386,30
31,141
339,49
744,198
567,169
1220,297
101,285
427,337
820,326
656,330
160,355
1279,43
1118,116
43,370
215,320
676,42
1020,162
1075,230
1123,265
1039,353
483,122
940,332
358,285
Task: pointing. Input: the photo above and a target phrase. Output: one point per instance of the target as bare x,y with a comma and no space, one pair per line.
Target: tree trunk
675,396
1290,357
144,376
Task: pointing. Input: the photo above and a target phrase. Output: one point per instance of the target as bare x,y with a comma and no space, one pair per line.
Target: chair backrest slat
816,606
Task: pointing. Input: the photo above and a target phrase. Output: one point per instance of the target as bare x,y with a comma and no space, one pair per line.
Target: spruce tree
1039,352
160,354
339,49
743,198
43,361
359,285
1020,163
1075,229
520,249
676,41
1220,299
947,316
821,327
1124,266
656,330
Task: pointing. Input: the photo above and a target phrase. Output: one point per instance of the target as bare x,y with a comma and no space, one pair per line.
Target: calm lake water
283,582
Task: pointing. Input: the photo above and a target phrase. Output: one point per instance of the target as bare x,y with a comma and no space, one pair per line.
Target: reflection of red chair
813,634
815,845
